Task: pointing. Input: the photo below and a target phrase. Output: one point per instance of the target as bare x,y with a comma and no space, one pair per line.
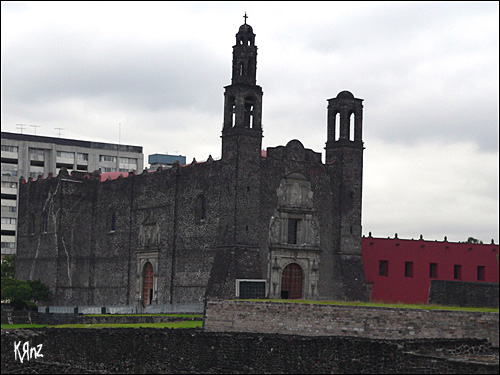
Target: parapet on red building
399,270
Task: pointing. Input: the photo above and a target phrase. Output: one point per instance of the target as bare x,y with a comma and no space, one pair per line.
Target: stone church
277,223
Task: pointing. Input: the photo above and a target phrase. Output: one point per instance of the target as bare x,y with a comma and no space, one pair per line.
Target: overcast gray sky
428,73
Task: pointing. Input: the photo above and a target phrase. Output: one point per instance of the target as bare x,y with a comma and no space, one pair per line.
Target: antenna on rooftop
59,131
118,148
35,126
21,126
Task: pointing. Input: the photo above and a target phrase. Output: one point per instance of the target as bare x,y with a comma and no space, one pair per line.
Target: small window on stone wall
45,222
457,272
31,224
383,267
251,289
293,230
200,209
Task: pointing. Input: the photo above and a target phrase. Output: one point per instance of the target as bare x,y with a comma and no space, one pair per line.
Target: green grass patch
20,326
185,324
380,304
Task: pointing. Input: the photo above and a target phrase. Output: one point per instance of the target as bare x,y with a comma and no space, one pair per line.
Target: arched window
45,222
31,224
337,126
230,112
351,127
113,222
249,119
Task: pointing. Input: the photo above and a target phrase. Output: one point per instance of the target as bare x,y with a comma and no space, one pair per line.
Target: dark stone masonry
311,319
278,223
462,293
193,351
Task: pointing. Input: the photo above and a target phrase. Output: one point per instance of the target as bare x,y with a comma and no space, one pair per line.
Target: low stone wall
194,351
29,317
333,320
463,293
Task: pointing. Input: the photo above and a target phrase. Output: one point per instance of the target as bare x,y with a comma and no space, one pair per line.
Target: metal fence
194,308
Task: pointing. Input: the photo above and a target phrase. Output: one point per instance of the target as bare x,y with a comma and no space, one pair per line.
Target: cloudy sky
428,74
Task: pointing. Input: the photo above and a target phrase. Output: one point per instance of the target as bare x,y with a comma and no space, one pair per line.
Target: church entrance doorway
291,282
147,289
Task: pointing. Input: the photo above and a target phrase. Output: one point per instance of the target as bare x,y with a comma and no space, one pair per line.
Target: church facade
278,223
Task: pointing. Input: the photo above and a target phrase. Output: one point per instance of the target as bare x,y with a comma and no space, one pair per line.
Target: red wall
395,287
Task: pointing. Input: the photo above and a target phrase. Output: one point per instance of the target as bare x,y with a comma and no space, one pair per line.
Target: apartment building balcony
10,155
37,157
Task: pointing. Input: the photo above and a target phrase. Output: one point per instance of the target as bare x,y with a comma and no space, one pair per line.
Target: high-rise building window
13,149
107,158
65,154
9,185
37,151
83,156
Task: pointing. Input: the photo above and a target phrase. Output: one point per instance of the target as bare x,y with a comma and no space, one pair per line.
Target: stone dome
245,29
345,95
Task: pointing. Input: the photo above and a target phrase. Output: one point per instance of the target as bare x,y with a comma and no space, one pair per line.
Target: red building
400,270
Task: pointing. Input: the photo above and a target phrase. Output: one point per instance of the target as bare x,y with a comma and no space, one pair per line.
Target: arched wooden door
147,289
291,282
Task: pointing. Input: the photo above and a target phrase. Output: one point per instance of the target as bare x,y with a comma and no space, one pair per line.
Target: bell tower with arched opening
238,236
242,130
344,153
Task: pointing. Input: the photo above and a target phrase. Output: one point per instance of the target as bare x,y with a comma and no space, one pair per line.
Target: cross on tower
245,17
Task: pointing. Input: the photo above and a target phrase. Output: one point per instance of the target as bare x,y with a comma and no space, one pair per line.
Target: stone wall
193,351
462,293
29,317
332,320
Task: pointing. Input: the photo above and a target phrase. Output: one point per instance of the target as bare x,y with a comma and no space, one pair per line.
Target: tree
17,292
21,294
39,291
474,240
8,266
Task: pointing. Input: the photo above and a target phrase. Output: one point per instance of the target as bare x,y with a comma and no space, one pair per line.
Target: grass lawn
186,324
375,304
18,326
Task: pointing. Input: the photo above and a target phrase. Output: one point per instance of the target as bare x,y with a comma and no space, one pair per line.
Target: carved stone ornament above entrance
149,232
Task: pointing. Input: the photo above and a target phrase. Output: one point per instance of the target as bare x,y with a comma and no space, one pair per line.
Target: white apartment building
32,155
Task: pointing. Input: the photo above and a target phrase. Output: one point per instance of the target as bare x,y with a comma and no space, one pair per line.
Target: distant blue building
162,160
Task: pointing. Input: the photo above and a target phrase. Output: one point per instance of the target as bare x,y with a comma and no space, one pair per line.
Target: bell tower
242,130
344,154
238,251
